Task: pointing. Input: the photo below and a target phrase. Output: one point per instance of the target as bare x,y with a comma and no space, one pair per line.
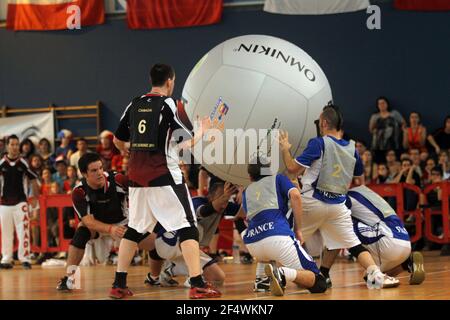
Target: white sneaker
379,280
187,283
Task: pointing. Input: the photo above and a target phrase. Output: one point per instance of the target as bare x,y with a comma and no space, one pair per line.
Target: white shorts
171,206
285,250
389,253
173,254
332,220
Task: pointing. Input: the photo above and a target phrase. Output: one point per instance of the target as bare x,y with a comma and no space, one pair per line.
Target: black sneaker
150,281
62,284
26,265
261,284
277,279
6,266
166,277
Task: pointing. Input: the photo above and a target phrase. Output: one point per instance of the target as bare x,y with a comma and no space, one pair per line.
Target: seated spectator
61,172
125,161
404,156
27,148
361,146
72,179
414,136
414,155
106,149
408,174
46,181
445,165
45,151
36,164
385,126
427,177
392,163
370,168
82,148
383,175
440,139
66,147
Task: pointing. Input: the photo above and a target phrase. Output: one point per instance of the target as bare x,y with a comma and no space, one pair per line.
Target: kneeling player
101,204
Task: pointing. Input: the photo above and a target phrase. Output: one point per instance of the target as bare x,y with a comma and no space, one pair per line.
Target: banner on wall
34,127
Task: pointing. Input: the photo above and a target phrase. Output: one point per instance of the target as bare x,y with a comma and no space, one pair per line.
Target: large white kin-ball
256,82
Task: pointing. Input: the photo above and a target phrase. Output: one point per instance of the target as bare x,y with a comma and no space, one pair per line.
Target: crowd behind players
401,150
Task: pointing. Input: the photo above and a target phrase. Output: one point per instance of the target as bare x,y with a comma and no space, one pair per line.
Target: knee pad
320,284
81,237
133,235
357,250
189,233
154,255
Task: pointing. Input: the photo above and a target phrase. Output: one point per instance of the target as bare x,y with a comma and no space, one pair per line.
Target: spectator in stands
61,172
72,179
414,155
125,161
383,175
45,151
106,149
385,126
440,139
360,146
2,146
415,135
370,168
427,176
36,164
66,148
82,148
392,163
46,181
445,165
27,148
408,174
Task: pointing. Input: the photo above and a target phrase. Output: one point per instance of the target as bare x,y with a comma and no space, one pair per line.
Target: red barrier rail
397,191
443,211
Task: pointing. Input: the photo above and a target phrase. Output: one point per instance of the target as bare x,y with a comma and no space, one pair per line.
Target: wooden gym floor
39,284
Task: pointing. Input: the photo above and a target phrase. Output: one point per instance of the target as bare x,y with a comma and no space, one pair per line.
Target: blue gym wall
408,60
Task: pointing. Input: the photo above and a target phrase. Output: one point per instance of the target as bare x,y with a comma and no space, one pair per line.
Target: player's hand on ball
283,139
118,231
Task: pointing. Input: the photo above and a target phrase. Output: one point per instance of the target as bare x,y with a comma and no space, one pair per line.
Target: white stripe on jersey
126,109
171,103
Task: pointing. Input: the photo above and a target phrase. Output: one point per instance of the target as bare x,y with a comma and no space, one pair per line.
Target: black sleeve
123,130
206,210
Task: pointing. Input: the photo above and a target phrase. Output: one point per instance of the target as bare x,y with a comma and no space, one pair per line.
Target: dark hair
86,160
409,160
333,116
446,118
160,73
385,99
48,142
254,169
418,113
32,147
438,169
11,137
82,139
214,188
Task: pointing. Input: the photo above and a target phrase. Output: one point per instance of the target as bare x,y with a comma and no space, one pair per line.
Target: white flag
33,126
314,6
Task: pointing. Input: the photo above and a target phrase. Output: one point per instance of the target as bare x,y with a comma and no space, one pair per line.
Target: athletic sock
289,274
372,269
325,272
120,280
197,281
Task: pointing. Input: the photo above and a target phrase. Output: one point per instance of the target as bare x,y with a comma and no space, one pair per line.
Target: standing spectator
82,148
27,149
46,181
45,151
36,164
106,149
409,175
415,135
445,165
15,175
61,172
370,168
72,179
440,139
385,126
66,147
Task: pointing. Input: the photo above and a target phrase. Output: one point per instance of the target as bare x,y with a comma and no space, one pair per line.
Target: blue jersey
369,222
273,220
311,158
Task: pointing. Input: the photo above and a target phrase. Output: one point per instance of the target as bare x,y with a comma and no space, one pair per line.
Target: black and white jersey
15,175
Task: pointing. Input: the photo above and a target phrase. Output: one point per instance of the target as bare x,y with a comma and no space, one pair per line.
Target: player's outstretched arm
296,204
292,166
92,224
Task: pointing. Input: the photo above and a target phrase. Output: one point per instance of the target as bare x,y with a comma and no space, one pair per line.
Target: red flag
422,5
158,14
53,14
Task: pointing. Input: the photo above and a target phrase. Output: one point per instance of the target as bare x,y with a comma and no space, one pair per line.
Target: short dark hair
332,114
254,169
438,169
160,73
408,160
214,188
82,139
86,160
387,101
11,137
